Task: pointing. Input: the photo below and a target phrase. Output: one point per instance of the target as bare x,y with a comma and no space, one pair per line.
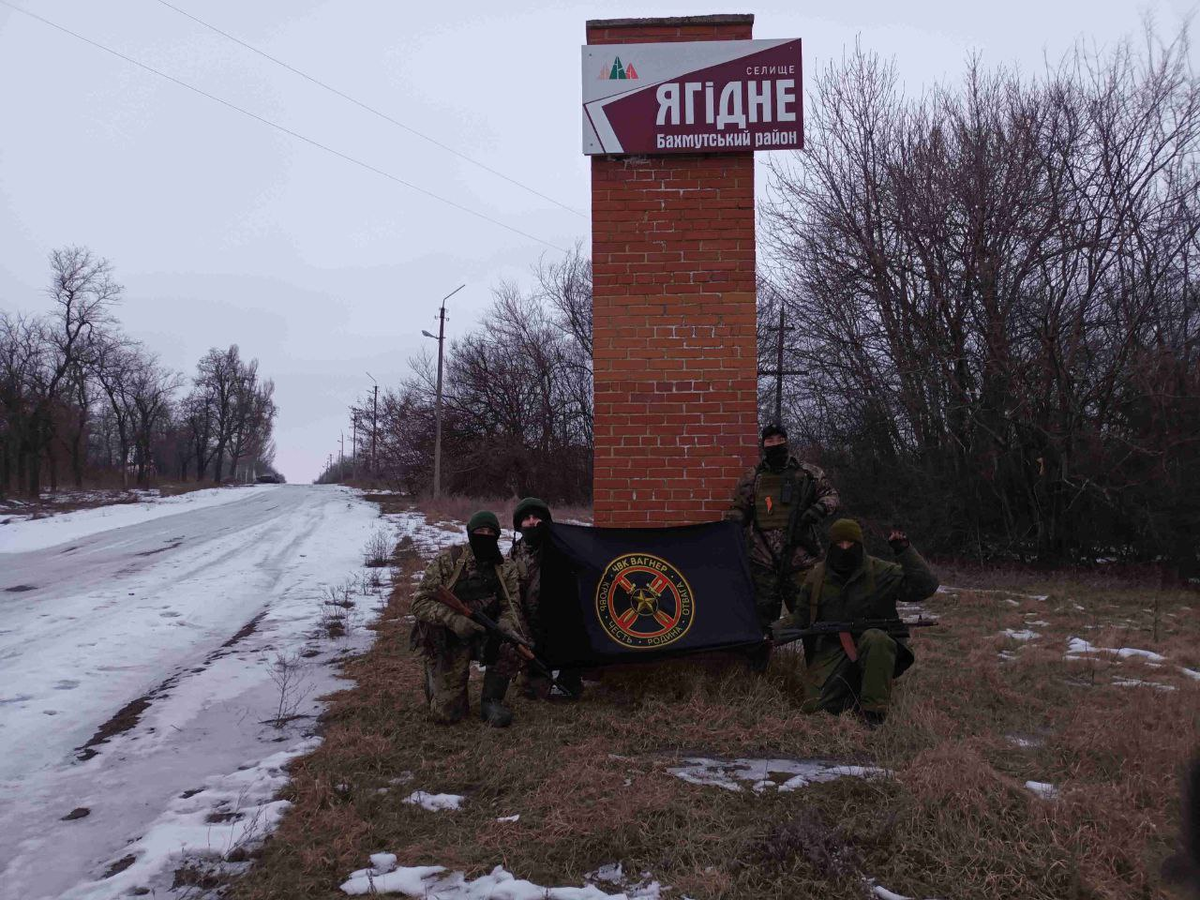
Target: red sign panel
688,97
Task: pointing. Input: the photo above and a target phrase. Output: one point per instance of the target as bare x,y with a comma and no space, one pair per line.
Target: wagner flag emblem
643,601
620,594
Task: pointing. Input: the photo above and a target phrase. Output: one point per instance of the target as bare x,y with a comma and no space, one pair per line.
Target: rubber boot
491,702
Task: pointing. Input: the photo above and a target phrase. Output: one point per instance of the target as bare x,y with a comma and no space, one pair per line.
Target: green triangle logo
618,70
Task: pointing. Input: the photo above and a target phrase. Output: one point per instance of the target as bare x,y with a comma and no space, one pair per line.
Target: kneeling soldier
856,671
478,576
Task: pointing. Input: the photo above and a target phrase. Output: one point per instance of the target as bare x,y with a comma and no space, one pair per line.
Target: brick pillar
673,316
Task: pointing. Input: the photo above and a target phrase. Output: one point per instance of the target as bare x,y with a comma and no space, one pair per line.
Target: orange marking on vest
770,505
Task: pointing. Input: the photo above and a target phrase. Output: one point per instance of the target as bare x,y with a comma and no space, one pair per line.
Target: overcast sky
225,230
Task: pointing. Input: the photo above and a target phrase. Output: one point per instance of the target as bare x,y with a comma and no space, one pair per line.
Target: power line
287,131
371,109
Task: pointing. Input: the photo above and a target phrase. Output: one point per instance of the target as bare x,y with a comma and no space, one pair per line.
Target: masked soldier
532,519
856,671
780,502
479,576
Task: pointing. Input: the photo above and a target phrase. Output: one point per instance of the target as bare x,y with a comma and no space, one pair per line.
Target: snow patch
1023,635
436,883
1079,648
1042,789
1024,741
726,774
1134,682
434,802
948,589
235,810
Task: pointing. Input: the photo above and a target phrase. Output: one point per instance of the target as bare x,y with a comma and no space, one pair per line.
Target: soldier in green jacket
850,586
480,577
780,502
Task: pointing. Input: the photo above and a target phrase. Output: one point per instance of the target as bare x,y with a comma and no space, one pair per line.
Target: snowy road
186,611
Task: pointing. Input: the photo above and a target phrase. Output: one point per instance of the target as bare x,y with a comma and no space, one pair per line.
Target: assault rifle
446,597
845,631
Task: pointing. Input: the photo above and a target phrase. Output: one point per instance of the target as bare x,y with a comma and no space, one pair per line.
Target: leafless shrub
374,580
338,608
287,671
378,551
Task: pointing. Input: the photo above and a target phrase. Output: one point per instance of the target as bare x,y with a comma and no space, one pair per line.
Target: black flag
614,595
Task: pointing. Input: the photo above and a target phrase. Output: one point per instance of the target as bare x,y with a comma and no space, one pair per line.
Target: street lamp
437,440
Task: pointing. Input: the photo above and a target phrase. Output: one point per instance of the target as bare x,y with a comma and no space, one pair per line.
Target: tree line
81,401
993,302
516,399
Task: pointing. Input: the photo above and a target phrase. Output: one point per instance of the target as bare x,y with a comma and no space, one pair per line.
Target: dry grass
460,509
955,821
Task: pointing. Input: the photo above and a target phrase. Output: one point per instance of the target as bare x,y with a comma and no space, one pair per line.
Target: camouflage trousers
774,592
448,672
835,684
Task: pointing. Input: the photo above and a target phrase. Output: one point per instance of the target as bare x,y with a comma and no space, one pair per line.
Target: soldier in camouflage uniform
480,577
531,518
780,502
847,587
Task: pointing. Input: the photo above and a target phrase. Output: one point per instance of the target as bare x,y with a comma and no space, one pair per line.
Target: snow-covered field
196,608
20,536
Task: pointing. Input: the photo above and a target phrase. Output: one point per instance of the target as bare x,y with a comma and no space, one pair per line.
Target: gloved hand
812,515
463,627
899,541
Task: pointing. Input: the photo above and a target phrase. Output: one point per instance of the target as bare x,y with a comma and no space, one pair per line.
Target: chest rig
776,495
479,588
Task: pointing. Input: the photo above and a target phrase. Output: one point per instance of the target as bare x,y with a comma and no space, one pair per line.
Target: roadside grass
459,509
954,820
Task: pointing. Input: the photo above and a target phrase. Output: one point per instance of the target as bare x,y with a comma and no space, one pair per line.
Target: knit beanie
845,530
484,518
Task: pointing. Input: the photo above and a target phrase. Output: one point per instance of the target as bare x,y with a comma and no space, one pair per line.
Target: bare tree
990,292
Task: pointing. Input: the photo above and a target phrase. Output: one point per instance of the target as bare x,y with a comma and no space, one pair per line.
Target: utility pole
437,439
353,441
779,371
341,456
374,424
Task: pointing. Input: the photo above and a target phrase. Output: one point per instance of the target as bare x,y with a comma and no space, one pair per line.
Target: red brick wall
673,316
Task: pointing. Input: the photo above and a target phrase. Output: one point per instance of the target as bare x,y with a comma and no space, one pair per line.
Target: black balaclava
776,457
534,535
486,548
844,562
